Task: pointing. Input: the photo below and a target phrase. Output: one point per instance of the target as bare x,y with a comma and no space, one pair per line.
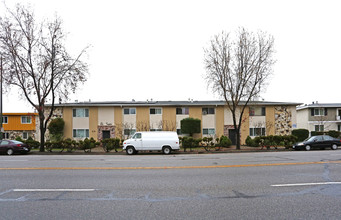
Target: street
269,185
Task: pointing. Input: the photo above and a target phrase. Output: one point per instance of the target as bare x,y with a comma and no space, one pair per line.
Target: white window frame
80,113
75,134
4,119
25,135
184,110
319,128
253,132
131,111
157,111
208,111
319,111
26,120
208,131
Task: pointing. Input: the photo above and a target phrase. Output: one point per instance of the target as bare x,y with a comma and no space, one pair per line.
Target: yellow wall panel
67,117
270,120
169,118
219,121
93,122
142,119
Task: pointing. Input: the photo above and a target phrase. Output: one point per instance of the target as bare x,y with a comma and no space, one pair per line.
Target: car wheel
334,147
307,147
166,150
10,151
130,150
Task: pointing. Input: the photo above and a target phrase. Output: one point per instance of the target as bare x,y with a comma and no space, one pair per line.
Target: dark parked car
320,142
11,147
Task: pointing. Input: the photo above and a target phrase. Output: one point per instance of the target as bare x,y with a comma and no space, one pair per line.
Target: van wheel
130,150
166,150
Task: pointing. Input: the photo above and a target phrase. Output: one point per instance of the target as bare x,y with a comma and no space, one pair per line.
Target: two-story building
101,120
319,116
19,125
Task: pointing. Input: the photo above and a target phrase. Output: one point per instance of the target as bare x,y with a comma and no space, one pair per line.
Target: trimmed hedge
301,134
271,141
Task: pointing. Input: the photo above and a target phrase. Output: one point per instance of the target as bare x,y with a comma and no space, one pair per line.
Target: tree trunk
42,132
238,139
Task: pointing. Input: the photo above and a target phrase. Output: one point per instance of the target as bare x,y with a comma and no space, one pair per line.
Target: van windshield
137,136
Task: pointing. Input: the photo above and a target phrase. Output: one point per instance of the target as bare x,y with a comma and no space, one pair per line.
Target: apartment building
101,120
319,116
19,125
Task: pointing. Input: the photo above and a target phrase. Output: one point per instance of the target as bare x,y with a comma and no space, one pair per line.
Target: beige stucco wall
67,116
106,116
93,122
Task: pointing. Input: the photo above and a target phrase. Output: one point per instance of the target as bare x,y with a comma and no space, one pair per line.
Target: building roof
20,114
168,103
319,105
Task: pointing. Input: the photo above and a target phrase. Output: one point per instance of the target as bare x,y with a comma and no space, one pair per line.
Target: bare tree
238,68
37,62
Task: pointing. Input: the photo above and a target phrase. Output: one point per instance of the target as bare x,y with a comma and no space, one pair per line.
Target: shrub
301,134
333,133
190,126
32,143
110,144
56,129
225,141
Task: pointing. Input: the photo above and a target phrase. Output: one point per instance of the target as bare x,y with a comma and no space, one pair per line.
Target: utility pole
1,70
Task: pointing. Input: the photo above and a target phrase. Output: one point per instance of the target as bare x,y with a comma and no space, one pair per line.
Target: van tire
166,150
130,150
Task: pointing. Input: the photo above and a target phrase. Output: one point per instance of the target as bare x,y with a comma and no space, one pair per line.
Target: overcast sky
143,49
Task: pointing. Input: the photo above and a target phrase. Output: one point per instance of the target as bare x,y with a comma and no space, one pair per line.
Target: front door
233,136
105,134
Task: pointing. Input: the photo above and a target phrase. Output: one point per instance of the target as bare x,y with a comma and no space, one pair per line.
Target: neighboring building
19,125
319,116
101,120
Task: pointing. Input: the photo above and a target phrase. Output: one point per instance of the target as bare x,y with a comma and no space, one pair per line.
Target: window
319,112
129,132
5,135
80,113
80,133
338,127
155,129
182,111
257,132
319,127
4,119
25,119
178,131
137,136
208,131
24,135
208,111
155,111
257,111
129,111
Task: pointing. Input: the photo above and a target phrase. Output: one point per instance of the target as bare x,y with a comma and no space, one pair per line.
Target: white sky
143,49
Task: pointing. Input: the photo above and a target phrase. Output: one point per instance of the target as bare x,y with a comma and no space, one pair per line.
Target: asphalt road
276,185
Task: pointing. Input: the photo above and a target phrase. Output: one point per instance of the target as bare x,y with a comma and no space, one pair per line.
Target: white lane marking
53,190
308,184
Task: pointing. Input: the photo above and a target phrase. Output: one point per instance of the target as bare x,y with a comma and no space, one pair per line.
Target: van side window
137,136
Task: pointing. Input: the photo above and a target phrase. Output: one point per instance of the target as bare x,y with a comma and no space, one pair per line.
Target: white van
165,141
